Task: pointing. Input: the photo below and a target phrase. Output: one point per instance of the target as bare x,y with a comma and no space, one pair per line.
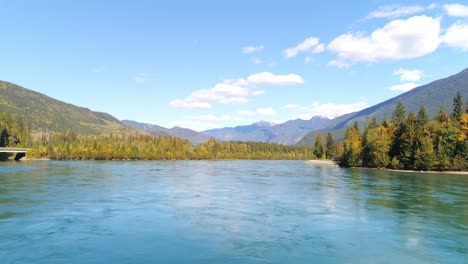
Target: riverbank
426,172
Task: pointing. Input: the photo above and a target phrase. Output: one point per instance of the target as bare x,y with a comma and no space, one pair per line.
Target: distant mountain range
288,133
191,135
45,113
434,95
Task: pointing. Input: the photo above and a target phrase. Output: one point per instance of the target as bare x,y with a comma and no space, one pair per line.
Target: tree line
134,146
410,142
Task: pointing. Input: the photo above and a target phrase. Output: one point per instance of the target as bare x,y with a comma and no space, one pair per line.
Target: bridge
20,152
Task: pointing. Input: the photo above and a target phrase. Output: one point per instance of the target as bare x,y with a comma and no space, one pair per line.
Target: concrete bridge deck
20,152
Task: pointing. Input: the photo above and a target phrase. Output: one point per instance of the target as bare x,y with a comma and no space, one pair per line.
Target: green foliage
412,142
352,148
319,149
43,113
457,107
399,115
330,151
70,146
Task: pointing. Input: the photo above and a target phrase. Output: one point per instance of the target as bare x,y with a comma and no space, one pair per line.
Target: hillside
287,133
439,93
194,137
45,113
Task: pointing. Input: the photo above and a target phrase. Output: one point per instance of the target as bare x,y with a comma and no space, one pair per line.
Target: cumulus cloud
252,49
338,64
256,60
304,46
141,78
318,49
331,110
399,39
456,10
268,78
258,92
210,118
394,11
409,75
457,36
221,93
291,106
404,87
258,112
234,91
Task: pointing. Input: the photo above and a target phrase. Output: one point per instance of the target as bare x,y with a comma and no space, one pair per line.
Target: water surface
228,212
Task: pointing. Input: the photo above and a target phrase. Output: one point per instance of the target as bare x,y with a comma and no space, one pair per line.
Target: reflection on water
228,212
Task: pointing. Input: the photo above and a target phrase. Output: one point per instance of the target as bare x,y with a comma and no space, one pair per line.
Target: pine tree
441,116
319,150
330,152
399,114
457,107
423,118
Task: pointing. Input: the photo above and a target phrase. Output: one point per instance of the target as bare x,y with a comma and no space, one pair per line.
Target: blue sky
212,64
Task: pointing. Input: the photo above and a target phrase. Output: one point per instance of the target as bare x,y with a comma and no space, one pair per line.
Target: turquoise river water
228,212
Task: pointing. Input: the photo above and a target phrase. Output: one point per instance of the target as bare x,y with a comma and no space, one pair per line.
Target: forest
410,142
134,146
407,141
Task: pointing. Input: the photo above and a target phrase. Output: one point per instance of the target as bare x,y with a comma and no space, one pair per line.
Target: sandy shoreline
333,164
322,163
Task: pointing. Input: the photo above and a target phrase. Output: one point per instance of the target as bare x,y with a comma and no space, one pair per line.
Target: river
228,212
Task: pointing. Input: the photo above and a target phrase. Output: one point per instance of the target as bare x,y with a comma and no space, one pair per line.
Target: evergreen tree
423,118
319,150
330,152
4,137
399,114
441,116
457,107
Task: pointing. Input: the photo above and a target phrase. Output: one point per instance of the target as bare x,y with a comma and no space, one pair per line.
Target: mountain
45,113
439,93
194,137
287,133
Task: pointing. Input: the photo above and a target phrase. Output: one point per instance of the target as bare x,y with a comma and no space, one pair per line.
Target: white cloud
404,87
306,45
268,78
331,110
456,10
233,91
252,49
210,118
409,75
318,49
432,6
221,93
178,103
338,64
291,106
141,78
399,39
457,36
259,112
394,11
258,92
256,60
